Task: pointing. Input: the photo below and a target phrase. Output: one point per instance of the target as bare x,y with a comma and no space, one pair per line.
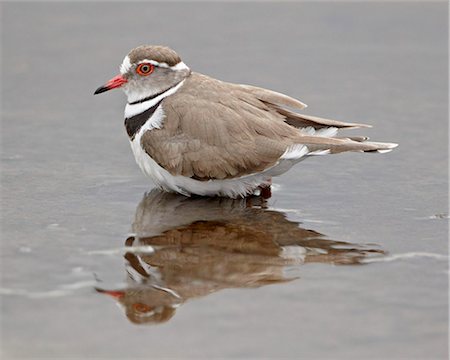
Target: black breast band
134,123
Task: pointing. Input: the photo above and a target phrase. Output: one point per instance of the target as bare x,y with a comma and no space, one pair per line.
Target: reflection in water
201,245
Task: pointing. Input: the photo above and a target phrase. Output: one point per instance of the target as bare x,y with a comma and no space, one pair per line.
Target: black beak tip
100,90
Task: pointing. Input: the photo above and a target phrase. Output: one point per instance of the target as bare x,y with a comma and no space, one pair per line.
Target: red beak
115,82
117,294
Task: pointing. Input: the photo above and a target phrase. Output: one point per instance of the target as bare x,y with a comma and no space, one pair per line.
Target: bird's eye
142,308
145,69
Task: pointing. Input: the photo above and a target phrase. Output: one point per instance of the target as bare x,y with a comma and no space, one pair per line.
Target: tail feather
356,138
375,147
381,148
317,145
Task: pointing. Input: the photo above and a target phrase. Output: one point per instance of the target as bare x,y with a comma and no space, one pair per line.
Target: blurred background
348,259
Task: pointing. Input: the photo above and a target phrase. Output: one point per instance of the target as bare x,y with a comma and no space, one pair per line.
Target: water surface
347,259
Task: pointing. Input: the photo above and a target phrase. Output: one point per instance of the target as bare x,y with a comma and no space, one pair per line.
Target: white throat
135,109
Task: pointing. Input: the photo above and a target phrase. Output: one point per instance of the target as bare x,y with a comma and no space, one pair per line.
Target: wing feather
273,97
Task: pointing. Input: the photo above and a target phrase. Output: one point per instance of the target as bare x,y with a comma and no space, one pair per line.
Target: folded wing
209,136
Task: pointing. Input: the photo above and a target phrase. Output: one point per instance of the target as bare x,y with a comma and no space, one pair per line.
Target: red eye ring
145,69
142,308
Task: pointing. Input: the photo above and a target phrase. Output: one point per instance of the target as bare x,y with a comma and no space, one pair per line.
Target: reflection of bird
202,245
193,134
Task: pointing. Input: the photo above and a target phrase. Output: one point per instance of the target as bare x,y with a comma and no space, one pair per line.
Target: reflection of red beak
115,82
117,294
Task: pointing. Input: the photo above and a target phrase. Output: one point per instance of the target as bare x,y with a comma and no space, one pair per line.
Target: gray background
70,185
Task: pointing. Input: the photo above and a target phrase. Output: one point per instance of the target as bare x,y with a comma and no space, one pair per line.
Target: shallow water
348,259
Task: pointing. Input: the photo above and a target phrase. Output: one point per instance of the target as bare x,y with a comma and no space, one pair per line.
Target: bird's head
146,71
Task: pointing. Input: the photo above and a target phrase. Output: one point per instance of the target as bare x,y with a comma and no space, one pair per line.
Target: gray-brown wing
206,140
280,102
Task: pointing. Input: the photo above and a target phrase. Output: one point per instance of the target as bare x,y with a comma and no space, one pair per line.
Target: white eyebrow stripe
180,66
126,65
153,62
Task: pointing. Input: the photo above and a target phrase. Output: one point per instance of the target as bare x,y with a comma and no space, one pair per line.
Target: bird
195,135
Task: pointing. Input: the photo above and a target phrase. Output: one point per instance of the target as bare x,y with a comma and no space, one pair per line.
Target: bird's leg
256,201
265,189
